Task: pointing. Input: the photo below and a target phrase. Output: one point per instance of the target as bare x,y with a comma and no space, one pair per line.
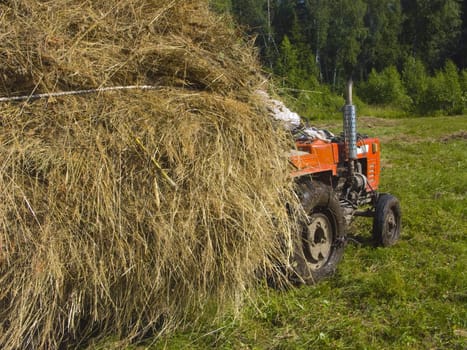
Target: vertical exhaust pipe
350,125
350,128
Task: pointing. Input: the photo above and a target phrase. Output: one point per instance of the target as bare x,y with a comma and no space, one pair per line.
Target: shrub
415,80
319,103
444,93
463,81
384,88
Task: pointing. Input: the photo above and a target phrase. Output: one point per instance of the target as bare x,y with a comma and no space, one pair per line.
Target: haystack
127,212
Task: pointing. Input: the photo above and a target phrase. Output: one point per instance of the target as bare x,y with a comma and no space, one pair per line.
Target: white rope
78,92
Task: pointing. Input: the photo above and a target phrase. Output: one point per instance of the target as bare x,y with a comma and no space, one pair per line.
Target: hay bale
125,212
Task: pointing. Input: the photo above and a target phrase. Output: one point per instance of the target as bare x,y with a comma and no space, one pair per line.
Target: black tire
319,244
387,220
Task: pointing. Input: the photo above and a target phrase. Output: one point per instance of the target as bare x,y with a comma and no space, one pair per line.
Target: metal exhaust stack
350,128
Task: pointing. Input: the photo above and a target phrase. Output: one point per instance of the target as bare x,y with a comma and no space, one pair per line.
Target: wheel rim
318,241
391,224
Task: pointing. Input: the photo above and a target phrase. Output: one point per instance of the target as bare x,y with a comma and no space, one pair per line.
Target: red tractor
337,180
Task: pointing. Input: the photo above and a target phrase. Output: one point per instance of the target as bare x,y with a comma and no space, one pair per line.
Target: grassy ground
411,296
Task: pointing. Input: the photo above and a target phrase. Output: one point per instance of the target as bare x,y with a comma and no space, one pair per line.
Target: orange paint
314,157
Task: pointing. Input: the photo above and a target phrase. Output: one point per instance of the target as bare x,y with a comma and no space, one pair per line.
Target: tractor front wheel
319,245
387,220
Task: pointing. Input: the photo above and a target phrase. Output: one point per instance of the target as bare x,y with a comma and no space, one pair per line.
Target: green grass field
410,296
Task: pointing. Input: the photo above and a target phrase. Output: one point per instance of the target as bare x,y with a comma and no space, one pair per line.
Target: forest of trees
411,53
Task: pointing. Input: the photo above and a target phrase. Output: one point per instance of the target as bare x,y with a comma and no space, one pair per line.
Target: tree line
379,43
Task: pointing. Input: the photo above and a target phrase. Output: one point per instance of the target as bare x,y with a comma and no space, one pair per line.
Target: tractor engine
349,163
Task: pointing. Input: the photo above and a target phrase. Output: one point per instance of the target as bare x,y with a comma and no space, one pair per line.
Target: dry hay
128,212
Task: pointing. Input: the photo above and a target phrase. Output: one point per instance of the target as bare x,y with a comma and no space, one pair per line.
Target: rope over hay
31,97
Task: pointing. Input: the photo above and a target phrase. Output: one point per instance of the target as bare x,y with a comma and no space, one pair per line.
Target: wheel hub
318,241
391,224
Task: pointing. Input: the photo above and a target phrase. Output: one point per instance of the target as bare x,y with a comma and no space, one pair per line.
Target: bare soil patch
460,135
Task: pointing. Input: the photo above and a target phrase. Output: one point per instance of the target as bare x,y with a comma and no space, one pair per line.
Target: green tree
251,13
460,56
287,64
256,17
381,47
294,36
431,29
330,40
282,19
346,34
306,60
314,16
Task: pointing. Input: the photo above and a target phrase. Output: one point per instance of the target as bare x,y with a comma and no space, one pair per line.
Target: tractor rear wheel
387,220
319,245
